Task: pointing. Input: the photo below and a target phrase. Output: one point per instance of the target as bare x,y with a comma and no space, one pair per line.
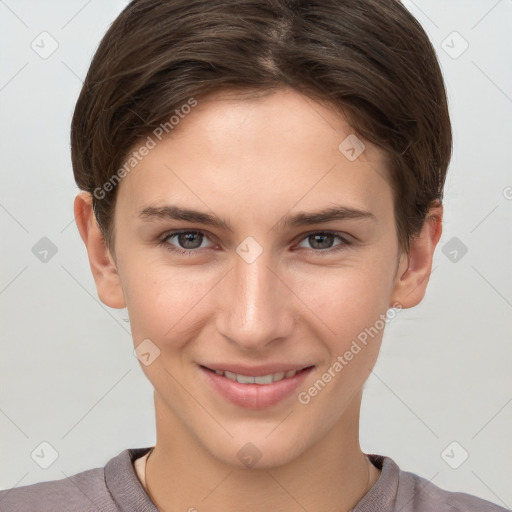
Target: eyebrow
298,219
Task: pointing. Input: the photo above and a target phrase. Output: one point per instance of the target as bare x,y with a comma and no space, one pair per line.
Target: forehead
273,149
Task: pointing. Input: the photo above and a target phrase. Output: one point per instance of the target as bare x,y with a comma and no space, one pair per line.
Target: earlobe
415,267
103,266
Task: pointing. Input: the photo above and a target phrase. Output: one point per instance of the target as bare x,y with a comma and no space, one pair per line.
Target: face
260,291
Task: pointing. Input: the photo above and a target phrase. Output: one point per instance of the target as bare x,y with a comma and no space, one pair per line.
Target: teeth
264,379
244,380
281,375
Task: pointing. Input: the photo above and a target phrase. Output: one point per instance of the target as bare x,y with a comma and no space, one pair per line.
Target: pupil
185,238
322,238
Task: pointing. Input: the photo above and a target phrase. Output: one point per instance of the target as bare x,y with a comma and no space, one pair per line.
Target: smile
265,388
264,379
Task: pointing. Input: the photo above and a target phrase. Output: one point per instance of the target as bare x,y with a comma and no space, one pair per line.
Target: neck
333,474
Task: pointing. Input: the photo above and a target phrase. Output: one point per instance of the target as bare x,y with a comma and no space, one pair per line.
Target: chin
258,451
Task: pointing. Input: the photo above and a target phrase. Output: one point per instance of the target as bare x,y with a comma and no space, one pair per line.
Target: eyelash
191,252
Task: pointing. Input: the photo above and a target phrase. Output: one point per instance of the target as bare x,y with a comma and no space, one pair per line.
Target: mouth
269,378
254,388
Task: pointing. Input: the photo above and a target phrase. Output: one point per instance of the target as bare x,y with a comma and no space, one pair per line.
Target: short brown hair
370,59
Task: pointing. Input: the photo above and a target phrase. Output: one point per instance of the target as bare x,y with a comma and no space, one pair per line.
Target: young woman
262,187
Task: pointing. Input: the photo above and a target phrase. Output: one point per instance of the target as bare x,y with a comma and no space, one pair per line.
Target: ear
414,268
103,266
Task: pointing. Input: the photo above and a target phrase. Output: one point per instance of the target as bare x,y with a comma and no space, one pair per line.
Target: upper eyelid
169,234
341,234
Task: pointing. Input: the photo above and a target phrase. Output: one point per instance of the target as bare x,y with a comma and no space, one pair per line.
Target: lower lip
255,396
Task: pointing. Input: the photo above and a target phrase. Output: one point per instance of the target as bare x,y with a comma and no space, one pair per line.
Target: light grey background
67,370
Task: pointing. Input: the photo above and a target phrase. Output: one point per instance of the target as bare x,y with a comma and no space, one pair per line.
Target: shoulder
82,492
402,491
417,494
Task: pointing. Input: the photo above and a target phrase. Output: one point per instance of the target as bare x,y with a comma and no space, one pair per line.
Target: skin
251,161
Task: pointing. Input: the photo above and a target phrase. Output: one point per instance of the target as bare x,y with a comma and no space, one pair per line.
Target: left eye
320,239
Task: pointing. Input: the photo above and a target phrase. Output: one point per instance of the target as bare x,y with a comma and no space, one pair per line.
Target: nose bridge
255,309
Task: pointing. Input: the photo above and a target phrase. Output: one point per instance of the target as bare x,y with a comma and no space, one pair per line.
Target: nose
255,304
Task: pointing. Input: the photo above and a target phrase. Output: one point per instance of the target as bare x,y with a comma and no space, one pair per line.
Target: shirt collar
382,496
123,484
128,493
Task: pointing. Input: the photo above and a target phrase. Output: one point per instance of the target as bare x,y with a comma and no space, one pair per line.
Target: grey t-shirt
116,488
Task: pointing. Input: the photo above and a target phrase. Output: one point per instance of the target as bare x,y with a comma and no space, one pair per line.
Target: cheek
164,303
348,299
352,310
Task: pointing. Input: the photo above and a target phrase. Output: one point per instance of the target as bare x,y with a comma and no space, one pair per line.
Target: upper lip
256,371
